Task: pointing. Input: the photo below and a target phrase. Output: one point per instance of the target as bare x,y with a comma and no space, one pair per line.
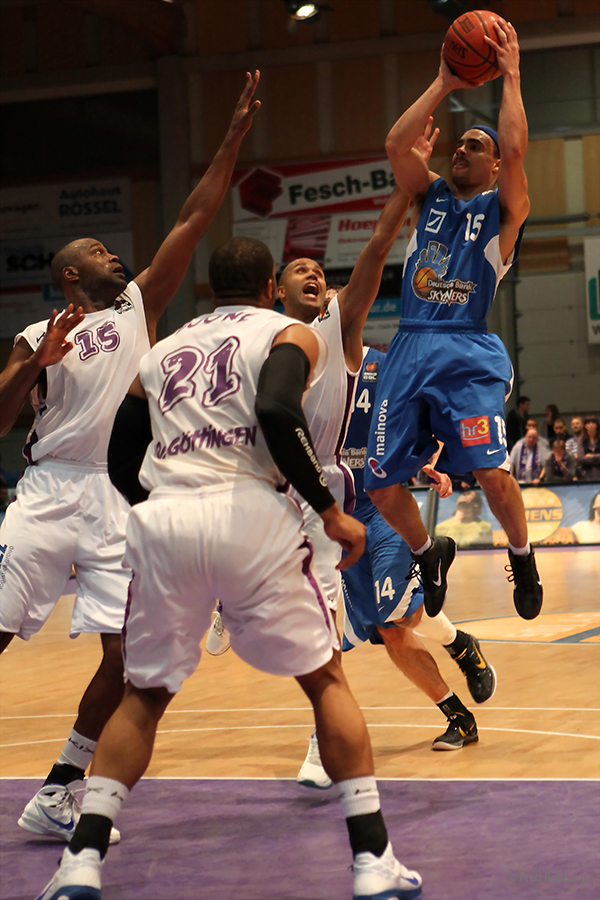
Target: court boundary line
292,778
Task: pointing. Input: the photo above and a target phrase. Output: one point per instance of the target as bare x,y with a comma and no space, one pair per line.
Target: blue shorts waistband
445,327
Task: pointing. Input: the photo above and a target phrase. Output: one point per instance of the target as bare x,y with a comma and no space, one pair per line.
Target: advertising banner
559,514
35,222
591,251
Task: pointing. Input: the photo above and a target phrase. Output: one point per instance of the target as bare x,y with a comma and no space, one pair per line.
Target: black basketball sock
452,707
64,773
92,831
458,644
367,833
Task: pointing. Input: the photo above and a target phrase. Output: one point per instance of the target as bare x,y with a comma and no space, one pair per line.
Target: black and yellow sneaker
458,733
434,565
529,593
462,728
480,675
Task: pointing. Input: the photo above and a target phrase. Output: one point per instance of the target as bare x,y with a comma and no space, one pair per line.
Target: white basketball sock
78,751
521,551
359,796
104,797
428,543
439,628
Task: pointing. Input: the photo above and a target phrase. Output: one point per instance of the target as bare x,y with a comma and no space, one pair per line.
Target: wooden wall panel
586,7
219,33
591,174
119,45
221,91
529,11
418,18
353,20
11,41
60,37
292,105
278,30
545,169
416,72
359,105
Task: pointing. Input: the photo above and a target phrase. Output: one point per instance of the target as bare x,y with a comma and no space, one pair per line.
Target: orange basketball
421,279
466,52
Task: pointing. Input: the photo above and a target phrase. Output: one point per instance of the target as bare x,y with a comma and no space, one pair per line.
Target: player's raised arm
161,280
512,139
357,297
410,169
25,364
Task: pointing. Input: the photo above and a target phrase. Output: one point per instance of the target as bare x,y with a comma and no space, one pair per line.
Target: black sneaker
461,730
529,593
434,565
481,677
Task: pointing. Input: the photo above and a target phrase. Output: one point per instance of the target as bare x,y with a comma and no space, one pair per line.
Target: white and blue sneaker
312,774
54,812
78,877
384,878
218,640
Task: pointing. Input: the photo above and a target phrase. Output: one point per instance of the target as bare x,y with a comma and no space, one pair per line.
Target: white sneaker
218,640
312,773
78,877
384,878
54,812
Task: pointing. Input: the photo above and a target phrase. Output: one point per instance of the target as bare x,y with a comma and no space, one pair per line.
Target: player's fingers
354,553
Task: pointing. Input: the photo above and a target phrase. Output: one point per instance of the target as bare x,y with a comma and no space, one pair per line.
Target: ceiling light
451,9
301,9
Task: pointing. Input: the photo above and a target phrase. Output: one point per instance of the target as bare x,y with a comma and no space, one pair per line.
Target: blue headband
491,133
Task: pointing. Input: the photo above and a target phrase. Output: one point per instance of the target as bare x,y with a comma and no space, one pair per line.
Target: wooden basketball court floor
232,722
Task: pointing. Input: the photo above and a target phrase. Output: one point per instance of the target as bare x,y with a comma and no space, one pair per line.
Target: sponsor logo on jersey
324,314
435,220
428,278
380,431
370,371
376,468
123,305
209,438
475,431
354,457
5,554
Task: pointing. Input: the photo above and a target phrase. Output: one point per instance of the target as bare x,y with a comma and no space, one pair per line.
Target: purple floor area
197,839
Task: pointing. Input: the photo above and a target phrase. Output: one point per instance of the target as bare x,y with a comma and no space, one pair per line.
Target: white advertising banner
591,250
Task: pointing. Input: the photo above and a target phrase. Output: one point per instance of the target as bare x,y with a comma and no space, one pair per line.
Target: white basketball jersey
201,384
327,408
74,419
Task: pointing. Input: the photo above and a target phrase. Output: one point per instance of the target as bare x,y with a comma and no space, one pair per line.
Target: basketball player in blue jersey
383,600
444,376
78,367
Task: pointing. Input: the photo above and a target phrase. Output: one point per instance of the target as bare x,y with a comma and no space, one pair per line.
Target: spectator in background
466,526
572,443
527,458
588,454
516,422
550,417
560,466
588,531
561,433
533,423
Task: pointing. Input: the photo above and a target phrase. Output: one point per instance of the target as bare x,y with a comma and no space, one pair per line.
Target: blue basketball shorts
451,387
378,589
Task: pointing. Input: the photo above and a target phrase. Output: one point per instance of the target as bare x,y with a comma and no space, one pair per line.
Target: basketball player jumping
444,376
78,367
225,397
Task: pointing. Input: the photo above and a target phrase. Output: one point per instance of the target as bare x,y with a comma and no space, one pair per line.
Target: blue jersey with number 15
453,263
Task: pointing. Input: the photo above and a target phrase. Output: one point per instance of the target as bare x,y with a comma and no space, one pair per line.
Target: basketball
422,278
465,50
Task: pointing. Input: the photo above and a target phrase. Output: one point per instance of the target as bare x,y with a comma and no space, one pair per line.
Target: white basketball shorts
64,514
241,543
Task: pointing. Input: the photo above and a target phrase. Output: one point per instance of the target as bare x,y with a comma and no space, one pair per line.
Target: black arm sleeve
131,434
279,412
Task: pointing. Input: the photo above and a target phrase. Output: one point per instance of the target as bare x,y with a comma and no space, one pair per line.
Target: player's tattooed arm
161,280
25,365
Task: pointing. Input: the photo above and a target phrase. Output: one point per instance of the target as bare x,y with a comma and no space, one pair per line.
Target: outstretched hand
54,346
426,142
441,481
245,109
